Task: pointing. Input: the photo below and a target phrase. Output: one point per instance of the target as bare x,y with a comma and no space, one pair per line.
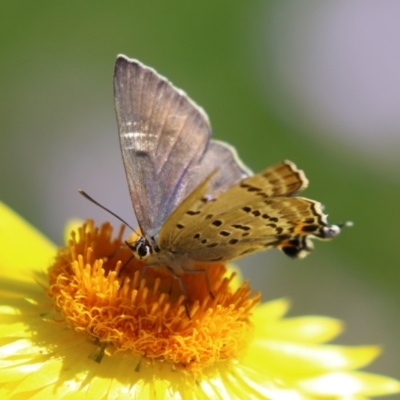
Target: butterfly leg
125,264
204,272
183,290
143,272
115,252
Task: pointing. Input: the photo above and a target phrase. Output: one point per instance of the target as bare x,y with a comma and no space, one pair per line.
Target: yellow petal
237,281
350,383
307,329
45,375
291,358
270,311
22,246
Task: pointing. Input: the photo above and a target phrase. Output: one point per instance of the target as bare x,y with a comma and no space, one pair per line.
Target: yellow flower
77,322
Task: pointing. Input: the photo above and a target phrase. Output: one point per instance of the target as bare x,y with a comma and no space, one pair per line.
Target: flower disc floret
96,285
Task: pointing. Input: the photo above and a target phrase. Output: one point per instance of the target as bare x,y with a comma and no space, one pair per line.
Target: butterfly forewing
163,136
165,144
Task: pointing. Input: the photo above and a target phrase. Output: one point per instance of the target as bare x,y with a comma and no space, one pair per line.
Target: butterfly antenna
86,196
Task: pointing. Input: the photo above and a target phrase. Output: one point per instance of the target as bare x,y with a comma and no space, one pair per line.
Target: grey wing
165,145
223,159
163,136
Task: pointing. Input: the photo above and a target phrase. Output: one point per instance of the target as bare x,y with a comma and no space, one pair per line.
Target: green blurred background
313,82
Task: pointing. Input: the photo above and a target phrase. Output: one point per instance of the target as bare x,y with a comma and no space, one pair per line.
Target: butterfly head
141,249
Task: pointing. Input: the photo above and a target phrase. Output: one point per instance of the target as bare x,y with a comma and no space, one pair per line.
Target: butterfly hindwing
222,159
282,179
255,214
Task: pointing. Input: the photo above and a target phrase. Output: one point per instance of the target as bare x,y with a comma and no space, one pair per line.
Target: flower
79,322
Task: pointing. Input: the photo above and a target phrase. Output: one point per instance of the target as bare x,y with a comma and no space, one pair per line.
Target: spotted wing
258,213
165,144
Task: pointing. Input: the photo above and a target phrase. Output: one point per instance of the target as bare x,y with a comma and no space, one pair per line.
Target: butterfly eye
141,249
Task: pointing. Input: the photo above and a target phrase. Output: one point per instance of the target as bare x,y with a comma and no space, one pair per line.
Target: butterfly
194,200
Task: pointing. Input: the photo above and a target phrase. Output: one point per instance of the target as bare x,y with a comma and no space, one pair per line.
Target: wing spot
256,213
196,236
204,241
193,212
217,222
309,228
180,226
241,227
212,245
250,188
141,153
265,216
209,216
273,219
271,225
225,233
233,241
253,189
246,209
245,234
309,220
279,230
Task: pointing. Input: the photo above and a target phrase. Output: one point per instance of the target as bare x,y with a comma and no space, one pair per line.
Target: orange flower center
94,283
